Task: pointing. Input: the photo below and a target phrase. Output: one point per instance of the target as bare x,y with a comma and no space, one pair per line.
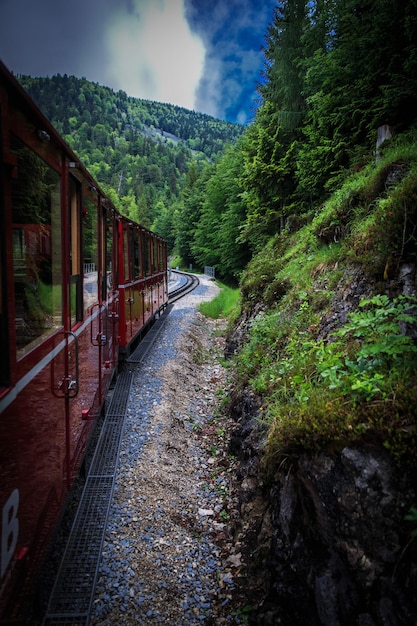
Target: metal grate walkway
73,592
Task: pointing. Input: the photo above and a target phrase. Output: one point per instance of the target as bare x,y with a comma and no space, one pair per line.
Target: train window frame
108,256
90,252
147,263
135,244
132,272
38,271
126,253
160,255
154,256
75,249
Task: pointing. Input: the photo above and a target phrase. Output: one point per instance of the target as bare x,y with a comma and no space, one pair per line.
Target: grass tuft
225,305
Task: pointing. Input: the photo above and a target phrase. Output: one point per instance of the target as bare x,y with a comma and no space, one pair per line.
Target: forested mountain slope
141,151
64,97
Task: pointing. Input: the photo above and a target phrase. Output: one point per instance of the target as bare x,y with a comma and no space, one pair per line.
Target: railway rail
71,599
191,282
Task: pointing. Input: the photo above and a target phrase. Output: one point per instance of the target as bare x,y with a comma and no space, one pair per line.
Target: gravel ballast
168,555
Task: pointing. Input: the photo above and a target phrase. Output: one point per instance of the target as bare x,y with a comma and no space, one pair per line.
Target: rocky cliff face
324,538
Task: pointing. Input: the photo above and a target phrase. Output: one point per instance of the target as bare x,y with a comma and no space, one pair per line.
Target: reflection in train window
126,253
37,265
160,256
75,251
108,264
146,253
154,256
90,269
137,254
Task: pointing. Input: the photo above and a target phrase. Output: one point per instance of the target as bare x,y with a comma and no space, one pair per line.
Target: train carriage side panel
78,283
143,282
55,366
32,438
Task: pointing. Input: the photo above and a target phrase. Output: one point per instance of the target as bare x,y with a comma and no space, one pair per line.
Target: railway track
191,282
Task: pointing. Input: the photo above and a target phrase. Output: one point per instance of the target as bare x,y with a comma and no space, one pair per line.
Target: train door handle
67,384
98,335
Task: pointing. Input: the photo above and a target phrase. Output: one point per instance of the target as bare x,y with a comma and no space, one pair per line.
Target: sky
204,55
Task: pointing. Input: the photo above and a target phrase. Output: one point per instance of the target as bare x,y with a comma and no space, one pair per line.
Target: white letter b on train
9,530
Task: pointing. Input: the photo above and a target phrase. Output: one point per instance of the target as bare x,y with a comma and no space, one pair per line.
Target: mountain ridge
141,152
185,124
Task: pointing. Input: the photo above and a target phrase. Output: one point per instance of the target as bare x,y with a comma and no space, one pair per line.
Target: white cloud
233,32
153,54
210,90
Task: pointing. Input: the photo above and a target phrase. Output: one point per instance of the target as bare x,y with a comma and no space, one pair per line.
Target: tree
221,214
267,177
189,213
361,75
164,224
284,73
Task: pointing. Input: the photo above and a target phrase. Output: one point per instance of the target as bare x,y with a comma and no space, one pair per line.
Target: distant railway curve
191,282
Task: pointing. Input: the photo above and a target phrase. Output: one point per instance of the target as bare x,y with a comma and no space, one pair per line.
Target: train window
108,284
37,263
146,254
75,251
4,361
161,256
90,266
126,254
154,256
137,261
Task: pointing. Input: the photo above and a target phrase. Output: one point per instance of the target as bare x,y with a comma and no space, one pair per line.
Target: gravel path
168,555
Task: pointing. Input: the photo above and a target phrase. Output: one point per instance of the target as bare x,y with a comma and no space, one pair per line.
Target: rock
331,532
235,559
205,512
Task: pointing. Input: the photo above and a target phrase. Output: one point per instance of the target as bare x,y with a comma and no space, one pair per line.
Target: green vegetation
226,304
144,154
357,385
369,356
334,73
327,381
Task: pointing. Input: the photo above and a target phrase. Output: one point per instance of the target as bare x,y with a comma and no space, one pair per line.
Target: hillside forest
144,154
335,71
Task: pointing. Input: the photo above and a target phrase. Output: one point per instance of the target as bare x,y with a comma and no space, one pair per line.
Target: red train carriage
143,280
78,284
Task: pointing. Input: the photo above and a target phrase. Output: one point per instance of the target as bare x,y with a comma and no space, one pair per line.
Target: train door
128,289
108,307
112,296
147,272
31,296
94,291
90,256
65,366
138,273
